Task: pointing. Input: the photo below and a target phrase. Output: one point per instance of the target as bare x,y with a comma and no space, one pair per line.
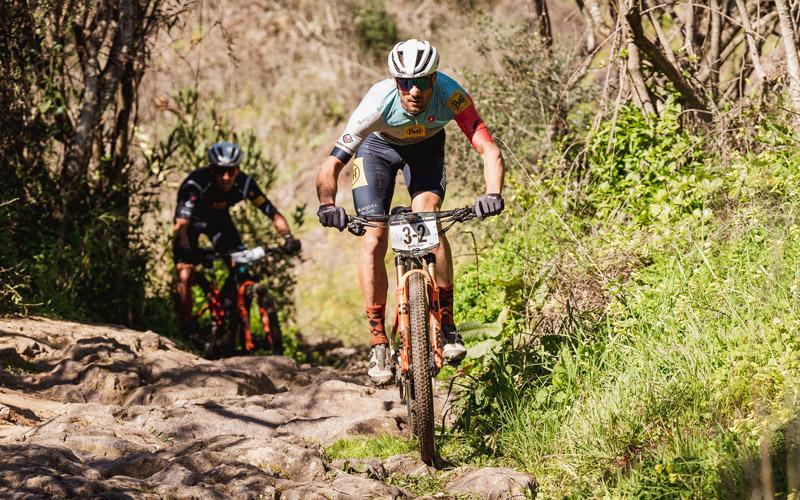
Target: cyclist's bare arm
476,132
281,224
181,230
493,168
327,179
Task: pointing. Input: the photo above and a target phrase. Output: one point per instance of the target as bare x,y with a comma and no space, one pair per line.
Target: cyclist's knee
426,201
185,272
375,241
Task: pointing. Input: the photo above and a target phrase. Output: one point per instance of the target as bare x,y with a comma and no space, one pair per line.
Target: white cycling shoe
453,350
380,372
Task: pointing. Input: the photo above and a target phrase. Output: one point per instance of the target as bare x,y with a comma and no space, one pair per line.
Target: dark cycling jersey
381,112
201,200
200,197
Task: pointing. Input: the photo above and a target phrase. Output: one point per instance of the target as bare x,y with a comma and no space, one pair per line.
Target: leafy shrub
689,366
647,167
376,30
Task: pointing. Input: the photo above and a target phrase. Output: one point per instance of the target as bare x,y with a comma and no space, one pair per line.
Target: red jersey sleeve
469,121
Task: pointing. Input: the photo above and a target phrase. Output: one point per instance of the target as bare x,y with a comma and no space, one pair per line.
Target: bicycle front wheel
422,392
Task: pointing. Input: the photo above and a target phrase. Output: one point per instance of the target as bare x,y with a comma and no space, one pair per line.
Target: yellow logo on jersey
359,179
411,131
458,102
260,200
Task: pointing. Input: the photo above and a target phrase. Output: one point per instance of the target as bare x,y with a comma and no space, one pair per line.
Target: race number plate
416,235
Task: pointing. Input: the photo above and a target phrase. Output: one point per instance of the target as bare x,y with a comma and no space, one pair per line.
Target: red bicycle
228,311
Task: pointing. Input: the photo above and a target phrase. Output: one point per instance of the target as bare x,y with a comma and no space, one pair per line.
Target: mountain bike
416,340
230,307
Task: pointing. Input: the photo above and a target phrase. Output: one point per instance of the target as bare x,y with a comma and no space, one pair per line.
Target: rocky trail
104,411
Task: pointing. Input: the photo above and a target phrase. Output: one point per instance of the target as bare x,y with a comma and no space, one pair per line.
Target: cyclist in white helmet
398,126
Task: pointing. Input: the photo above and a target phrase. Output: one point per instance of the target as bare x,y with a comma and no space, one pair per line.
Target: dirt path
102,410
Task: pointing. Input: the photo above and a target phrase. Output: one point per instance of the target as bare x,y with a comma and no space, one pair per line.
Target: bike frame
405,266
412,263
213,299
402,321
236,288
244,313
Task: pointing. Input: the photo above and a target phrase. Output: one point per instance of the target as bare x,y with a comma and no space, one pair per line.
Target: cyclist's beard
415,106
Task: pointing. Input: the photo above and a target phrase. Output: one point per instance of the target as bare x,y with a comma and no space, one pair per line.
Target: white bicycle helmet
413,58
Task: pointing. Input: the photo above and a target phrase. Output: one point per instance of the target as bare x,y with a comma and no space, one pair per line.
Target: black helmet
224,155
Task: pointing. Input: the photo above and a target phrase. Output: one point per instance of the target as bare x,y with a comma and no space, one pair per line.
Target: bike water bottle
248,256
257,253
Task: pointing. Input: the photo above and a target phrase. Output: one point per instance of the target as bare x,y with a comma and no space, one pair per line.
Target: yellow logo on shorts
411,131
359,179
458,102
260,201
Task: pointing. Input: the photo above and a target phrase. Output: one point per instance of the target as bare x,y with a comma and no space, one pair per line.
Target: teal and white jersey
380,112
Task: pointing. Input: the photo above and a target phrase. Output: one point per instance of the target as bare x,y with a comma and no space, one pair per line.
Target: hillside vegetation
632,315
645,277
651,344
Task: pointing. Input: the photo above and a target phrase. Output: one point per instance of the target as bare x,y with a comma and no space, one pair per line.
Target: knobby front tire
422,402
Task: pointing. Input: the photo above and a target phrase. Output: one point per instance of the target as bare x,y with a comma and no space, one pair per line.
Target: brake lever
466,214
355,228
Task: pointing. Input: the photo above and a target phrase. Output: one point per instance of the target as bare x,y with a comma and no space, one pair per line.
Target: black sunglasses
220,171
422,83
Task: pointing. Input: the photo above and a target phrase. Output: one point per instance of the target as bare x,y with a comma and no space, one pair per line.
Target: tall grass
674,369
678,380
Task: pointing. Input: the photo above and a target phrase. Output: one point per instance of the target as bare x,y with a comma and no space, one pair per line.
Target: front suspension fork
402,323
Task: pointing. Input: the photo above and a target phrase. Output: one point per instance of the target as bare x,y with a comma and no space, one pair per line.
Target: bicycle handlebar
357,223
246,256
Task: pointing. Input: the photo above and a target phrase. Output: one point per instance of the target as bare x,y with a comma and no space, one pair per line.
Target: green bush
376,29
648,168
689,361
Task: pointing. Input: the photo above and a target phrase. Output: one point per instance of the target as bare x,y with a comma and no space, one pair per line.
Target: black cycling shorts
376,165
220,231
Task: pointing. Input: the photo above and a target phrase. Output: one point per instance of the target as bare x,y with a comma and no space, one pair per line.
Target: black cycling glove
291,244
332,216
488,205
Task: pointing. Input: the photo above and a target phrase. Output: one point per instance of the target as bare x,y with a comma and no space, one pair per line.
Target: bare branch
689,94
689,30
790,46
751,43
541,18
662,37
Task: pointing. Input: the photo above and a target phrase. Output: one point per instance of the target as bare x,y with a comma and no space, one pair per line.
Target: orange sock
377,331
446,305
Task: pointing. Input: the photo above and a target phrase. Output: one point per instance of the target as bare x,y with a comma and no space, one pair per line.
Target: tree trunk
689,30
541,18
712,60
689,95
758,70
591,42
792,62
639,85
101,85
